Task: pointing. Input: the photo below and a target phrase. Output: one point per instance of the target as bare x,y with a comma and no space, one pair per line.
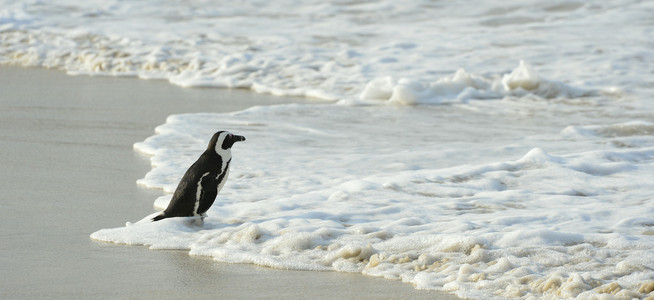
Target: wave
412,205
463,86
88,54
191,45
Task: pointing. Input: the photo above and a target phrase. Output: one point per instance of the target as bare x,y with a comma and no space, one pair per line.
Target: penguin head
223,140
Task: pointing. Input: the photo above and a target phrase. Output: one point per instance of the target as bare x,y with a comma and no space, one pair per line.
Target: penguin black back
202,182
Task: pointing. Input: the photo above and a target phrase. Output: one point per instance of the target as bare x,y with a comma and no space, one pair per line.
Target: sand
68,169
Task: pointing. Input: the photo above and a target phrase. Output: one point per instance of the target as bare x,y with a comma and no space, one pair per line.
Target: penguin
203,181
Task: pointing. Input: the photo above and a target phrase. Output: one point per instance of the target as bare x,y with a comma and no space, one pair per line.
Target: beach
69,169
478,149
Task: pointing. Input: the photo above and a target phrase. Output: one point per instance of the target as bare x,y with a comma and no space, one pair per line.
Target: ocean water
478,148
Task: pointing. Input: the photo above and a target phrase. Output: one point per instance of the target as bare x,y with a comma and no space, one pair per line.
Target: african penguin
201,183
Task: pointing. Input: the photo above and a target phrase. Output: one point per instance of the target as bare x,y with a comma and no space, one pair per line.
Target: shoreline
70,169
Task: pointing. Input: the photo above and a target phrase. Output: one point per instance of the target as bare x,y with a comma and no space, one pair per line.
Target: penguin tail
159,217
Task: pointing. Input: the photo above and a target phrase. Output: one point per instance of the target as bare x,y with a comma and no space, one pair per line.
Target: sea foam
573,220
463,86
402,52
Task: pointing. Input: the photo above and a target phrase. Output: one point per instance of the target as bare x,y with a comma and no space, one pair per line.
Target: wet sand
68,169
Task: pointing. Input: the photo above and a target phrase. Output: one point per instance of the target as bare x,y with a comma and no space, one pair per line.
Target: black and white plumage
201,183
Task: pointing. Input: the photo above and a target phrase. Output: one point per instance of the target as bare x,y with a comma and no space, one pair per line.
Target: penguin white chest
221,178
226,158
198,194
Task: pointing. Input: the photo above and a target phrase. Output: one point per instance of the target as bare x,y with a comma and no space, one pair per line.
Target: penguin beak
238,138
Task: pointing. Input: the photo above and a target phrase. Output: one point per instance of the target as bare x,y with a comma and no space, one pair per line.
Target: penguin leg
198,220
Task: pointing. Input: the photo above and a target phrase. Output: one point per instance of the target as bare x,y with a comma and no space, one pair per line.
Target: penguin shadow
204,223
193,222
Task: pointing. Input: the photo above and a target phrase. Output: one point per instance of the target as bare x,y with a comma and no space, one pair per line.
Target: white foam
382,197
342,50
463,86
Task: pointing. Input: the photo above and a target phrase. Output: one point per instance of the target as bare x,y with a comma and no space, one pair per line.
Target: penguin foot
198,222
